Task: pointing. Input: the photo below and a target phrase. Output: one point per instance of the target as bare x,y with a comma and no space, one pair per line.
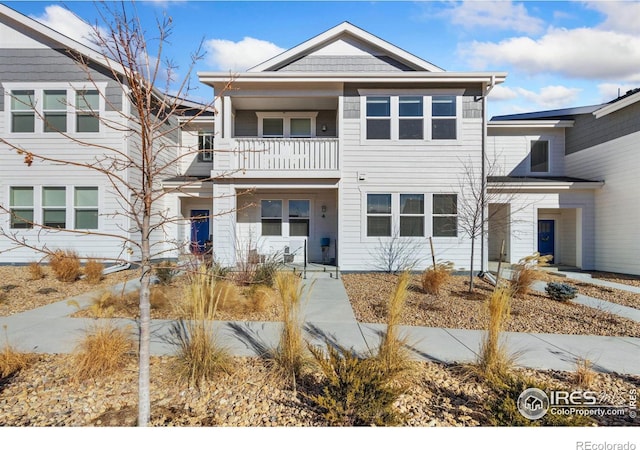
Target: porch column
226,117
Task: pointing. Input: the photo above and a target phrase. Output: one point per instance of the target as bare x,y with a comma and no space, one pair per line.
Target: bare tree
395,254
134,171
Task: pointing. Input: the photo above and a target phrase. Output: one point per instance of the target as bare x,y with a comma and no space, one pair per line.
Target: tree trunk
473,246
144,397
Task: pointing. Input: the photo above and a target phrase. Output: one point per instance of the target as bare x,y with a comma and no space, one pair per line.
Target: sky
557,53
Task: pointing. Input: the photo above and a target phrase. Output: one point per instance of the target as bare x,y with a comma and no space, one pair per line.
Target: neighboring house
349,146
571,177
50,105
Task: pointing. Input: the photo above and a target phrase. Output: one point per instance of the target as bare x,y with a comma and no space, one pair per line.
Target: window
300,127
292,124
445,215
22,112
87,111
54,210
299,217
85,202
21,207
411,215
443,117
54,109
378,215
539,156
378,117
411,123
272,127
205,146
271,213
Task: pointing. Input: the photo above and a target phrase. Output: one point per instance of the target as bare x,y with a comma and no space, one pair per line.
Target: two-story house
570,185
349,146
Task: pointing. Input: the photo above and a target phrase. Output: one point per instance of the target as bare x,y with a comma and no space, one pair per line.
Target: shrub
218,271
93,271
65,265
526,272
583,375
493,360
11,360
104,350
356,391
35,271
435,277
392,352
561,291
166,271
265,272
112,304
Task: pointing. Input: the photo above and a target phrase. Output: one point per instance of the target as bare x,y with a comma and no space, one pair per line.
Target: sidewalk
329,318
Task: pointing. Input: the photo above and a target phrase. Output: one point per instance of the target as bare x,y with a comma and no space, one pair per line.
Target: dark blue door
546,237
199,230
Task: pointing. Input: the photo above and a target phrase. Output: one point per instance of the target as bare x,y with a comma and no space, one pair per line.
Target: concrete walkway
329,318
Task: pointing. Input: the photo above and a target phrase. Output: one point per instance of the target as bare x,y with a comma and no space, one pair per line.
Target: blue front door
546,237
199,230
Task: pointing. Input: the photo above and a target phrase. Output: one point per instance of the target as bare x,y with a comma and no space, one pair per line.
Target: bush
265,272
35,271
392,351
103,351
356,391
561,291
11,360
111,304
435,277
526,272
65,265
165,271
493,360
93,271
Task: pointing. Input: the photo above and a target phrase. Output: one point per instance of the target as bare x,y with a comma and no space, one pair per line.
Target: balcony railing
310,154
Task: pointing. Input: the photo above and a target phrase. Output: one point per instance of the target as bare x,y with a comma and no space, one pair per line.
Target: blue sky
557,54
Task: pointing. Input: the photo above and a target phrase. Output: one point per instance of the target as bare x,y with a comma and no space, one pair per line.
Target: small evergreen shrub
561,291
65,265
165,271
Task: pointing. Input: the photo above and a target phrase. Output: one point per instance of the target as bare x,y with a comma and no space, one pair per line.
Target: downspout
486,89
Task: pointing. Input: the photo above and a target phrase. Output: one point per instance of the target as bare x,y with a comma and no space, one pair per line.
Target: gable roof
345,30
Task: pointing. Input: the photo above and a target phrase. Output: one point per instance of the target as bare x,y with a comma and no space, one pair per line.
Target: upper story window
539,156
409,116
287,124
53,108
205,146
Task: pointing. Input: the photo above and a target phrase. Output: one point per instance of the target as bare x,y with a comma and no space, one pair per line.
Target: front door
199,230
546,237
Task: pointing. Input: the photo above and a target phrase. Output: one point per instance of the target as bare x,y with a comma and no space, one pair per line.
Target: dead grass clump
494,361
392,351
127,304
11,360
526,272
258,298
93,271
103,351
583,376
434,278
35,271
65,265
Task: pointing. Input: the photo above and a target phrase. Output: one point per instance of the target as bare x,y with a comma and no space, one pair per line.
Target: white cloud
239,56
578,53
65,22
501,93
551,96
621,16
502,15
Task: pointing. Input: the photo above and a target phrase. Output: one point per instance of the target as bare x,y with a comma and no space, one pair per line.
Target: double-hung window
23,116
85,204
378,117
412,215
54,211
87,111
445,215
299,217
271,217
205,146
410,120
539,156
443,117
379,215
21,207
54,111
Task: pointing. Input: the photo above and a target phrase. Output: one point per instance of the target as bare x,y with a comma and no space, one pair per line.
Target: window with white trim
411,118
87,111
54,110
539,156
85,203
411,215
21,207
23,114
443,117
294,124
378,117
299,217
271,217
205,146
54,207
379,215
445,215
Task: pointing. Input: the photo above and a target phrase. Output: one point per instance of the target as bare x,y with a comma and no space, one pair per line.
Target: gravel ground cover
250,396
632,280
19,293
455,307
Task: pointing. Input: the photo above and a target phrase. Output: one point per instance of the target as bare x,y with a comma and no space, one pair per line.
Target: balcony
274,157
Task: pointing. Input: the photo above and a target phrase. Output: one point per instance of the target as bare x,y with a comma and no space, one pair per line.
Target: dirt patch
455,307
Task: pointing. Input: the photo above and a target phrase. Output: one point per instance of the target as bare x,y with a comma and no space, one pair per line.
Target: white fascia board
543,186
351,77
343,28
530,124
613,107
